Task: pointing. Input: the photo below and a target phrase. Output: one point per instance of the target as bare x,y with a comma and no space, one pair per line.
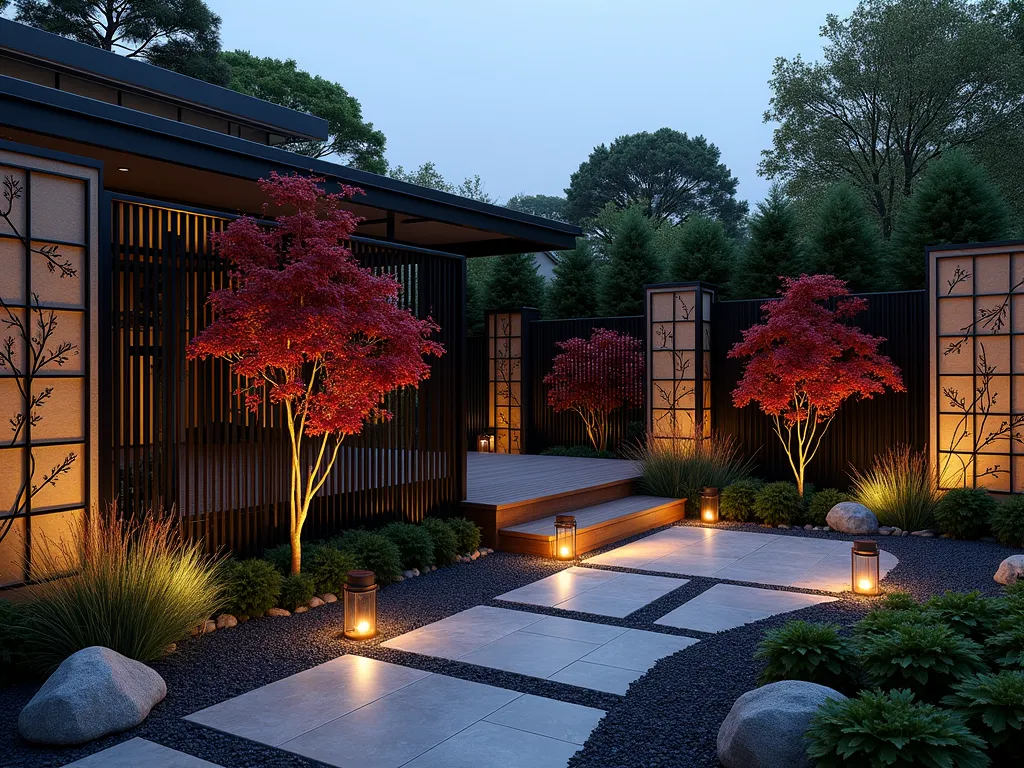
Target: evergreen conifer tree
773,249
632,264
702,252
844,241
573,292
513,281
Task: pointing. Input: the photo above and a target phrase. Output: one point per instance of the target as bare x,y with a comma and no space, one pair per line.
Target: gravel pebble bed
670,717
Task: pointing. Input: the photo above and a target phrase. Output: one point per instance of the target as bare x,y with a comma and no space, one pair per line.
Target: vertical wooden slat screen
182,439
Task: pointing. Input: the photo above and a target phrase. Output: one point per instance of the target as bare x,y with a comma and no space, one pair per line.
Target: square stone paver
762,558
726,606
605,593
580,653
140,752
434,720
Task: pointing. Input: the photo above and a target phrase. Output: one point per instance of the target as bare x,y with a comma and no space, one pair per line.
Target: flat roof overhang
188,165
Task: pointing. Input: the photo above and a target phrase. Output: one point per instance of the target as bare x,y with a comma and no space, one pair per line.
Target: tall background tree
513,281
900,82
632,264
702,252
548,206
843,241
573,292
666,175
955,202
353,140
772,250
181,35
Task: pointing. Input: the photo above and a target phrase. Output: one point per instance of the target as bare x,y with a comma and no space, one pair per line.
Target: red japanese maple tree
595,376
307,329
806,360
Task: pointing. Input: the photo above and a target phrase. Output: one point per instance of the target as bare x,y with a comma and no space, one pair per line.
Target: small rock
808,527
1010,570
885,530
897,531
209,626
278,612
765,727
924,534
399,578
905,533
330,597
301,609
171,648
433,568
816,528
226,621
851,517
315,602
474,556
825,528
95,691
407,574
415,571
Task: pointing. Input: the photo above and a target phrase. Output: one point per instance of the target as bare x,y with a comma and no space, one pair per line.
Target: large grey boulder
851,517
1010,570
765,727
94,692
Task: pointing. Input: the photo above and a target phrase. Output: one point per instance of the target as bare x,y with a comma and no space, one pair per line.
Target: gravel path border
670,717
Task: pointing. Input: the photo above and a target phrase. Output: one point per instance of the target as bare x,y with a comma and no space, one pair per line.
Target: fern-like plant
925,658
890,730
738,499
882,620
801,650
1006,647
993,706
968,613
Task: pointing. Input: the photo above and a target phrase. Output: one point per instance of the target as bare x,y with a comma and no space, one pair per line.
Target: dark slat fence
181,439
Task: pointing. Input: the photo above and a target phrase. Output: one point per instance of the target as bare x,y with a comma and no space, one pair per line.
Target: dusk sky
520,92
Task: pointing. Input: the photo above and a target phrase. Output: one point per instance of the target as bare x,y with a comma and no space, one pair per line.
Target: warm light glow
865,585
123,169
708,516
564,551
363,627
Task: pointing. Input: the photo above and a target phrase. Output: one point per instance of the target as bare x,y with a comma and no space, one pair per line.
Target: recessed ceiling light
123,169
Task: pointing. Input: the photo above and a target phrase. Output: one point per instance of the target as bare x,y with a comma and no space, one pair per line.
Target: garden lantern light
565,537
709,505
483,444
864,567
360,605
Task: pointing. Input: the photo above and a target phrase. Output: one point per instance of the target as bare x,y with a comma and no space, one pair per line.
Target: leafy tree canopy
667,175
181,35
354,140
702,252
548,206
900,82
427,175
954,203
844,241
773,249
573,292
632,264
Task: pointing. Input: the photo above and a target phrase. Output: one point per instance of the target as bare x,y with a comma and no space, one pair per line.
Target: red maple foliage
594,377
308,329
806,360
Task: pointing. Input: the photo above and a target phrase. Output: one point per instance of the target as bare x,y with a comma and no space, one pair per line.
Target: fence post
508,377
678,340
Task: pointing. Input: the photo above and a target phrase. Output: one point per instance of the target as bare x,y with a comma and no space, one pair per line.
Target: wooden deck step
596,525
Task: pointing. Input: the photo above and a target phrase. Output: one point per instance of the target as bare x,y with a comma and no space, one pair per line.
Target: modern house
114,173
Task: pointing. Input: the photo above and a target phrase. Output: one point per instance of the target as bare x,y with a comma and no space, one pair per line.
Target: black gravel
670,717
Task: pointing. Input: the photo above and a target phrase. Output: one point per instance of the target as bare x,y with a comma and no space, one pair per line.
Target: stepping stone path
726,606
355,711
139,752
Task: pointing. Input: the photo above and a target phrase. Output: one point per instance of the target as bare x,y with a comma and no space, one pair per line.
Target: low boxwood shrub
1007,521
467,534
737,500
252,587
816,653
778,504
577,451
968,613
925,658
993,706
280,557
821,504
445,542
372,552
296,590
882,729
415,546
328,568
964,513
13,617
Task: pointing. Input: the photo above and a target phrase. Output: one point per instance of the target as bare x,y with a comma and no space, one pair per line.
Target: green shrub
1006,647
737,500
13,617
804,651
296,590
252,586
778,504
467,534
882,729
993,706
899,601
577,451
970,614
280,557
680,469
328,567
445,542
963,513
821,504
373,552
415,546
900,488
880,621
140,589
925,658
1007,521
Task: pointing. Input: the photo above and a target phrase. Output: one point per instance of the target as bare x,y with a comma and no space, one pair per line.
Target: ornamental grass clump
737,500
993,707
778,504
900,489
881,729
140,588
801,650
444,540
964,513
1007,521
252,587
681,468
415,546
